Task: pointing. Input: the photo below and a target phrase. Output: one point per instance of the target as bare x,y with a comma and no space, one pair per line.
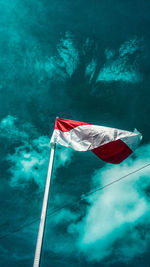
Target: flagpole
39,243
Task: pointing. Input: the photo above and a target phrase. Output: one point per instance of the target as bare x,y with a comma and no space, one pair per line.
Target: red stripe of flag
113,152
65,125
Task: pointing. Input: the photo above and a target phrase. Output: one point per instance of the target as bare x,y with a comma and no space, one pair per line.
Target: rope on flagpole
83,197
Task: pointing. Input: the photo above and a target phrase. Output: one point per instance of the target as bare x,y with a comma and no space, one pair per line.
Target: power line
117,180
72,203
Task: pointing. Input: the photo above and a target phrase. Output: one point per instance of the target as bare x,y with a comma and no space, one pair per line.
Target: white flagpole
38,250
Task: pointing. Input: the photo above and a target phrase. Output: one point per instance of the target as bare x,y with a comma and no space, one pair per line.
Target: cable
117,180
72,204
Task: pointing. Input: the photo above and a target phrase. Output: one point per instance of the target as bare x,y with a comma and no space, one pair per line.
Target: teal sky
81,60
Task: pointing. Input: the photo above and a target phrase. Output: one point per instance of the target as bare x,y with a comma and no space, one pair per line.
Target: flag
109,144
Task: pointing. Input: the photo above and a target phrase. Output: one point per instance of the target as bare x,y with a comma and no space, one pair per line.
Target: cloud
63,64
114,221
129,47
118,216
9,129
26,158
68,54
29,160
122,66
90,69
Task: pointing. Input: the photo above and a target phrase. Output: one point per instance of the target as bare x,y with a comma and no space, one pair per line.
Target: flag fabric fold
109,144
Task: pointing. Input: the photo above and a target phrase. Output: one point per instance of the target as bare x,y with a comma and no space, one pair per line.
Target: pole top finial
57,117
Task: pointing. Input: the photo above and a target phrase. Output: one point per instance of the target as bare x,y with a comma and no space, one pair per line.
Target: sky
80,60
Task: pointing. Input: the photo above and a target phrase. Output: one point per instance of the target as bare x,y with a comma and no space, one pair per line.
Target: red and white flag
109,144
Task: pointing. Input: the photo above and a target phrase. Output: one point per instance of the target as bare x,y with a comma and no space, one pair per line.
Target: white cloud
129,47
116,218
120,66
63,64
29,160
68,54
9,130
118,213
90,69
